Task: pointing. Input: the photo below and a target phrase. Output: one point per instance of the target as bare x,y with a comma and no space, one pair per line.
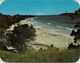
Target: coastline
47,37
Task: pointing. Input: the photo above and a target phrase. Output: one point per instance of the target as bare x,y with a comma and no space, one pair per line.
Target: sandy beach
48,37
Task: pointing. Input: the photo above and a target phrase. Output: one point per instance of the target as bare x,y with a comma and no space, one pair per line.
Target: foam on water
59,26
48,23
69,28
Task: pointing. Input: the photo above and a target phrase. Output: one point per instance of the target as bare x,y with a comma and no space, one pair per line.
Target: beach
48,37
48,34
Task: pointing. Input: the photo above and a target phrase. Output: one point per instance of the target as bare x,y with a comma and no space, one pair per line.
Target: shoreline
47,37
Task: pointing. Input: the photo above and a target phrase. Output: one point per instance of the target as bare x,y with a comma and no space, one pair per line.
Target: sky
38,7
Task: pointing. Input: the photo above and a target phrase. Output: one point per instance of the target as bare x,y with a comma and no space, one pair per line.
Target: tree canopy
76,33
22,34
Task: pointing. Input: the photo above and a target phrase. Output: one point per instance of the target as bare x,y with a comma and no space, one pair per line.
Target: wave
48,23
59,26
69,28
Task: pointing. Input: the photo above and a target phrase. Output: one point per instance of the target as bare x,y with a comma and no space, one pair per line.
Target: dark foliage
18,35
22,34
72,46
76,34
2,46
7,20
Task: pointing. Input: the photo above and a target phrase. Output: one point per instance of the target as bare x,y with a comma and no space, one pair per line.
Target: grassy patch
51,55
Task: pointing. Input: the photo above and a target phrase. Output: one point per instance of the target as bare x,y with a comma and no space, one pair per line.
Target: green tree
22,34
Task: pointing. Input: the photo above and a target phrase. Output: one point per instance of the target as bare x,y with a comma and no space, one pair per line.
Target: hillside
8,20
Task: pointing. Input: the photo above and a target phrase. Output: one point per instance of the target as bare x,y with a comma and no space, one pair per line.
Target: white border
78,61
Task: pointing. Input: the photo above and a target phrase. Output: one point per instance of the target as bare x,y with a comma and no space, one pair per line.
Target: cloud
1,1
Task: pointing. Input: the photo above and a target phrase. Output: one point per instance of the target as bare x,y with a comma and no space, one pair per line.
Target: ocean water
58,26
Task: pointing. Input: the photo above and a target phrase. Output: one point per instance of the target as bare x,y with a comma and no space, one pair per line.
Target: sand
48,37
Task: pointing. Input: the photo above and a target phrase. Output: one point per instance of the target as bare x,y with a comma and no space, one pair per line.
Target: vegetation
8,20
22,35
2,39
19,36
76,34
49,55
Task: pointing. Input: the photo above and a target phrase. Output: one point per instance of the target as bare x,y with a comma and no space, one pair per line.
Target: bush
20,35
76,33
